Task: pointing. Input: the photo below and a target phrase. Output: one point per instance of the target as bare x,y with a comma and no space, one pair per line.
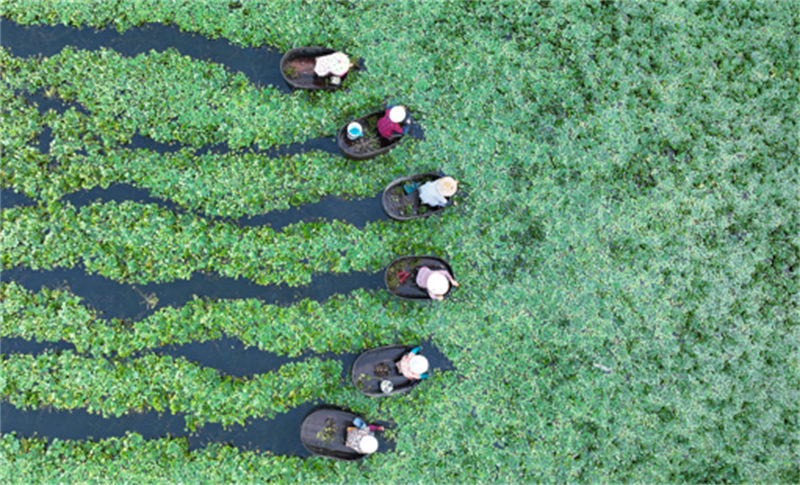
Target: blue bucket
354,131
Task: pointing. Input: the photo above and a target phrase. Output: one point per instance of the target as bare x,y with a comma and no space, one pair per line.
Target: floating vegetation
627,254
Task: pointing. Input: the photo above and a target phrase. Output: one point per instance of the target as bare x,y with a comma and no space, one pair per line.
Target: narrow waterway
228,355
134,302
357,212
354,211
279,435
260,64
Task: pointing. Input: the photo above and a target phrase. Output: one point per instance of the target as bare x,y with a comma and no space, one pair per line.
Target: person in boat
394,123
361,437
413,366
336,65
436,282
436,192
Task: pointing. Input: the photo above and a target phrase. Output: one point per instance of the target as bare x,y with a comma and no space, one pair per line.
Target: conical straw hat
447,186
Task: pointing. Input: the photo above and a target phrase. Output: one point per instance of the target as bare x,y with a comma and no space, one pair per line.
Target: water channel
229,356
259,64
112,299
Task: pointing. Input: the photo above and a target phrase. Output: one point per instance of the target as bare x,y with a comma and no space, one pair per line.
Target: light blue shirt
429,194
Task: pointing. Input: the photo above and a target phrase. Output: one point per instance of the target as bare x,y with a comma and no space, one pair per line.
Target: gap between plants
261,65
227,355
280,435
135,302
356,212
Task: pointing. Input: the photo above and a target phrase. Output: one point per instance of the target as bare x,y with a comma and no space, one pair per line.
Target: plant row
41,460
84,154
131,457
21,122
657,344
343,323
245,23
66,380
173,98
132,242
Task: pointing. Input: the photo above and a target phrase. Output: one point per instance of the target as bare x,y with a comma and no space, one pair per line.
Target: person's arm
450,277
402,365
398,131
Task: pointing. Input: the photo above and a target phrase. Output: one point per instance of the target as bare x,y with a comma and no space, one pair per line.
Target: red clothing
387,127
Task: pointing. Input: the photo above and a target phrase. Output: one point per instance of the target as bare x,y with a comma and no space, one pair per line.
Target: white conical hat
418,364
447,186
438,284
397,114
368,444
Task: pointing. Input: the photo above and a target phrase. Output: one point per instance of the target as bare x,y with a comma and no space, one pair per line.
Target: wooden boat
297,69
408,289
371,144
402,206
324,431
376,365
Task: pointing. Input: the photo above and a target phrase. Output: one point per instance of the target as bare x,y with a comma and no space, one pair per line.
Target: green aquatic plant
343,323
143,243
162,383
256,183
328,432
290,71
275,23
173,98
626,250
150,299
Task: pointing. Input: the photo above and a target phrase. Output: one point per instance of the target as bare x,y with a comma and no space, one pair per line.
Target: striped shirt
387,127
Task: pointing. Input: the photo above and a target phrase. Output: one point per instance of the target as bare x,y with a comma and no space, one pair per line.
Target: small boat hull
324,432
408,288
371,144
375,365
404,207
297,69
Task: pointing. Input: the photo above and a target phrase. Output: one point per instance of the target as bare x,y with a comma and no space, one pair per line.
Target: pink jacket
404,367
422,280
